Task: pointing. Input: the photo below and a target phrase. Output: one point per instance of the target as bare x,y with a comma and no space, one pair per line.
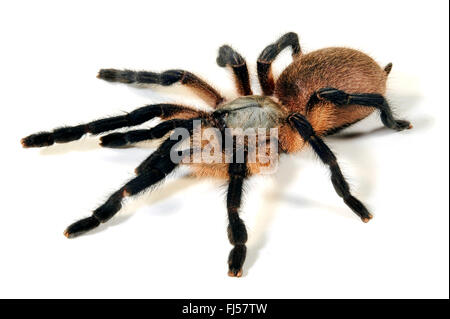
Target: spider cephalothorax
318,94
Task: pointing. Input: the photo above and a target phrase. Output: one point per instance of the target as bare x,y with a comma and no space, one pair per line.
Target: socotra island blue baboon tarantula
318,94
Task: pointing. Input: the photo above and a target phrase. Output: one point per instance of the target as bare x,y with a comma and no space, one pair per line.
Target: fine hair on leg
237,233
131,137
229,57
134,118
166,78
342,99
113,204
269,54
153,170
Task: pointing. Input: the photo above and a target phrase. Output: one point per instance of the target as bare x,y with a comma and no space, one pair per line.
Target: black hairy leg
228,57
163,153
237,233
341,186
269,54
203,89
153,170
152,175
341,99
136,117
131,137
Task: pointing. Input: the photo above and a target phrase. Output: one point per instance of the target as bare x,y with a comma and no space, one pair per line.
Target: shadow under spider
148,199
283,179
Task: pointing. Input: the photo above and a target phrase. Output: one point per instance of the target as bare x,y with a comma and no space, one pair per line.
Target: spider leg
203,89
237,233
154,171
228,57
341,99
163,152
269,54
136,117
123,139
114,203
341,186
165,149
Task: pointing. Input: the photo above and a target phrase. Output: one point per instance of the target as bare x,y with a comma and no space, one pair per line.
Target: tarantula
318,94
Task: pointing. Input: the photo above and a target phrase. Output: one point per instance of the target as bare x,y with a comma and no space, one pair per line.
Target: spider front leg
131,137
341,99
136,117
341,186
269,54
113,204
228,57
203,89
153,170
237,233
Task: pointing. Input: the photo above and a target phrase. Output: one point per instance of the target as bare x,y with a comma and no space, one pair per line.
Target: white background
303,241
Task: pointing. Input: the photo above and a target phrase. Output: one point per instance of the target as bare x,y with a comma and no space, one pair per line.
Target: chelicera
318,94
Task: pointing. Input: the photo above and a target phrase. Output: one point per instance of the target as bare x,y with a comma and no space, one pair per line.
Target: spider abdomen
345,69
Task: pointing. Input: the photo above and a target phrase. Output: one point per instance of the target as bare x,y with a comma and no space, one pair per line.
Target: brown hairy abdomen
345,69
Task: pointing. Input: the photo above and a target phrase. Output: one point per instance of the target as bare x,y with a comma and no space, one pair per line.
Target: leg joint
237,234
302,125
171,76
110,207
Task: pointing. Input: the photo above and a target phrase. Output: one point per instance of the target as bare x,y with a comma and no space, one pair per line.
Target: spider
318,94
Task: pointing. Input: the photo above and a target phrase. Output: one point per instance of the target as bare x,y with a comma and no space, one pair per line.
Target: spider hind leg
304,128
341,99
